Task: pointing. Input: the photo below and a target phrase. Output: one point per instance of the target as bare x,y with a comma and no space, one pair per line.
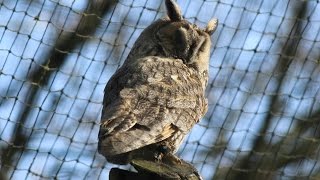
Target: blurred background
56,57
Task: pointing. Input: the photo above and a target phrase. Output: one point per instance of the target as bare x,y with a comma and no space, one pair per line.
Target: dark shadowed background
56,56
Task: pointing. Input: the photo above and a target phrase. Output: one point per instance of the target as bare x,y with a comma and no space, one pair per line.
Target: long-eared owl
158,94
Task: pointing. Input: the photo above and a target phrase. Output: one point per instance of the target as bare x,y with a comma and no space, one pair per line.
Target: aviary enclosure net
56,56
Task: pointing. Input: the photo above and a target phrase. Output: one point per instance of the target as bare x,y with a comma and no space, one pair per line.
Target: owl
158,94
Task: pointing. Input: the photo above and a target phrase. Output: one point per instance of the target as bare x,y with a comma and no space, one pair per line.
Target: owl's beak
212,26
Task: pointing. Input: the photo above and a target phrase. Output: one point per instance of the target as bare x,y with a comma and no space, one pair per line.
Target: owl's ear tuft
173,10
212,26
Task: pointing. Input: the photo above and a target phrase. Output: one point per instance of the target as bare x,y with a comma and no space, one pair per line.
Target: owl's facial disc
181,40
195,49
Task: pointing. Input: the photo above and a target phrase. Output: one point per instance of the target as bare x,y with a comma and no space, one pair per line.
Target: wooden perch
156,170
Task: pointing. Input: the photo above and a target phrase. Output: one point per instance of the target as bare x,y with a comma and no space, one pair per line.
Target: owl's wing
149,101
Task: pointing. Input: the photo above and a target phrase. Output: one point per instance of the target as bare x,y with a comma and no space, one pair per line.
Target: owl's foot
164,154
161,151
164,165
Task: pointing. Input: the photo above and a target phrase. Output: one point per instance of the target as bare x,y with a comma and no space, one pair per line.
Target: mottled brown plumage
157,95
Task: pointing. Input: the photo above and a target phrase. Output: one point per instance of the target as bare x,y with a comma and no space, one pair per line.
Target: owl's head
174,37
180,39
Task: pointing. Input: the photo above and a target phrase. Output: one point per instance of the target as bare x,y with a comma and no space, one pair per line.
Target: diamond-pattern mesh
56,56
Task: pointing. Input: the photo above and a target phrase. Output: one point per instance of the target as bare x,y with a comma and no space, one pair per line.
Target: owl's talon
158,157
161,152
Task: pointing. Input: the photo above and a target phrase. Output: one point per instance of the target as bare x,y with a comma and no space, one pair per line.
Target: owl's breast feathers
148,101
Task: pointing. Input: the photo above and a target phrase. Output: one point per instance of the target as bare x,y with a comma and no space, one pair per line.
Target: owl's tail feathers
119,148
119,151
120,143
